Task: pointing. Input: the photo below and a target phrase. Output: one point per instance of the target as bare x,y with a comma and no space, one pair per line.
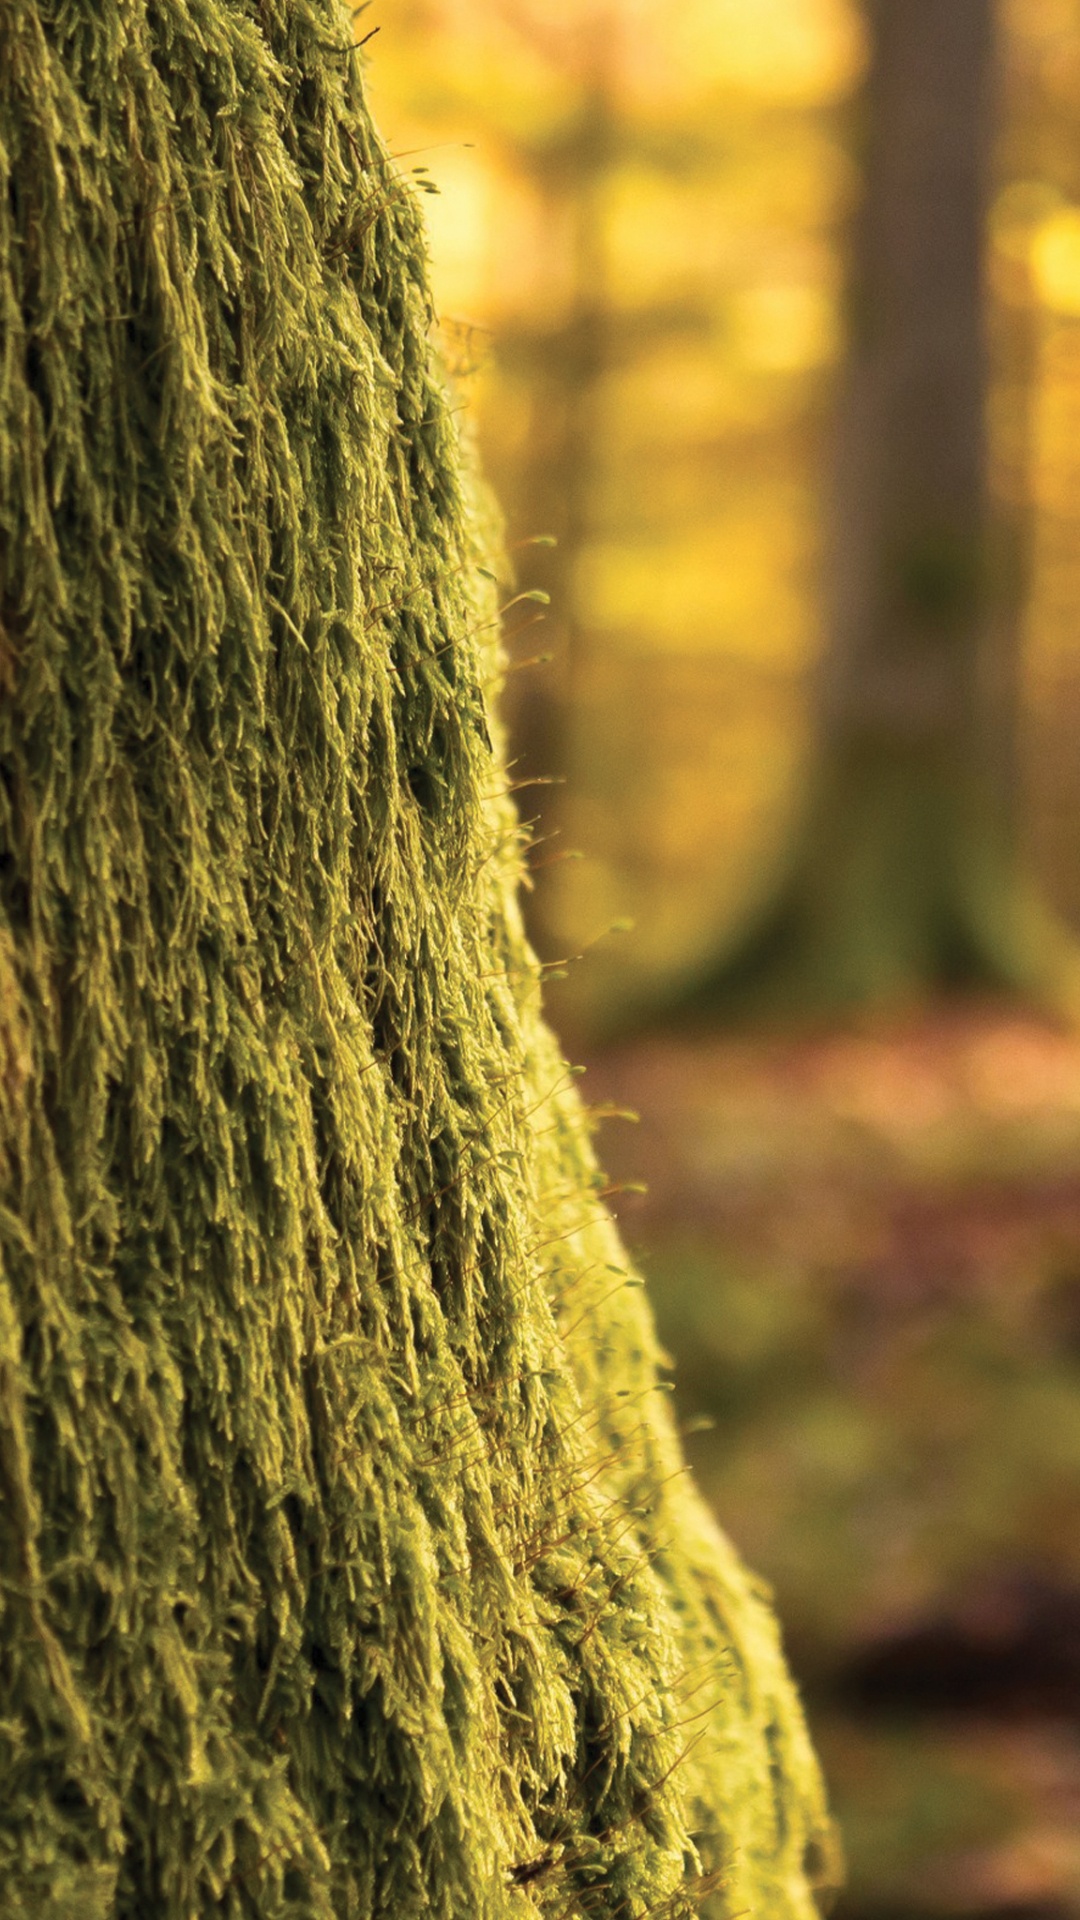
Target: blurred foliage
637,228
638,244
865,1250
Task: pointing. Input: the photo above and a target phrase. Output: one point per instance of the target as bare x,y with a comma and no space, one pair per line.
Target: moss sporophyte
347,1566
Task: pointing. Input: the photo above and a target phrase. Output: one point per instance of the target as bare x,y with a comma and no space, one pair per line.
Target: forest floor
864,1254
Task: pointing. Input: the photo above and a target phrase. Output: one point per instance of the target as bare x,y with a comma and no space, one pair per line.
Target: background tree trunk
565,365
902,876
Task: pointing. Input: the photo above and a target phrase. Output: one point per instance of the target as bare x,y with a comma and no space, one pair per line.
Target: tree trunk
563,366
902,876
347,1564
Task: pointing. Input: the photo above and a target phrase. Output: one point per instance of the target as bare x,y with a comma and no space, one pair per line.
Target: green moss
346,1564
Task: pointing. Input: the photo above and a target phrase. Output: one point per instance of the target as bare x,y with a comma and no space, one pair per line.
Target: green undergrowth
348,1565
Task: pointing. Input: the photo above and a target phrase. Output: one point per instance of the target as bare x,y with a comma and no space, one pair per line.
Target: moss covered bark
347,1565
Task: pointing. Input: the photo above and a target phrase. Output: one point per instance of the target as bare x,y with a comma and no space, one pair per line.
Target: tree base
903,883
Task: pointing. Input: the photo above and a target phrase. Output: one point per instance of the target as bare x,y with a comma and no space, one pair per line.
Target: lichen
347,1563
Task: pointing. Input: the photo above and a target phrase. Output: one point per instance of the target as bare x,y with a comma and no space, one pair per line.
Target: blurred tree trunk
565,364
557,485
902,876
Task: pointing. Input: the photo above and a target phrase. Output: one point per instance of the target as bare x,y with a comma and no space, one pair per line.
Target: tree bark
347,1563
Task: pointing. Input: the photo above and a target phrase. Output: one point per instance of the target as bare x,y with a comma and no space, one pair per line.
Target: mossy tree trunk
348,1567
902,876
